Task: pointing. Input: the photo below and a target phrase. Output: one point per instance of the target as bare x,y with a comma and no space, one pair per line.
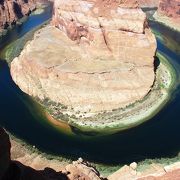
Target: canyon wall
17,171
148,3
170,8
169,13
96,56
23,168
12,10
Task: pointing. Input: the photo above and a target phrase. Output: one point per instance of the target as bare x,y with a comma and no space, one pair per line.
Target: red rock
169,13
11,11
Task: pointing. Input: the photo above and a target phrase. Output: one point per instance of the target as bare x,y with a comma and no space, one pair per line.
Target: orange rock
89,61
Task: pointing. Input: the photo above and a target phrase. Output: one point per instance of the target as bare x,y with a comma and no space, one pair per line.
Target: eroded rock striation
170,8
16,170
169,13
12,10
23,168
95,56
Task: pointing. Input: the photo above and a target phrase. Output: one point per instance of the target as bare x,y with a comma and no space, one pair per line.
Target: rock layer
169,13
11,11
23,169
96,56
148,3
170,9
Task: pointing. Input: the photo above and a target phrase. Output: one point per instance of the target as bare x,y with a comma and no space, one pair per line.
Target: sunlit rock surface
169,13
11,11
95,56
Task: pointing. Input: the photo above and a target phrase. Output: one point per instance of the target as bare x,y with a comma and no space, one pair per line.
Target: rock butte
96,55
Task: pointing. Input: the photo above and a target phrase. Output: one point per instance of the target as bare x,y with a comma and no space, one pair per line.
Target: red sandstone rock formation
169,13
14,170
78,170
99,57
153,172
12,10
170,8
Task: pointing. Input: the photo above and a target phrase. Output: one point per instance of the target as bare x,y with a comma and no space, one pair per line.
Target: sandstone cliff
15,170
24,169
12,10
96,56
4,152
170,9
169,13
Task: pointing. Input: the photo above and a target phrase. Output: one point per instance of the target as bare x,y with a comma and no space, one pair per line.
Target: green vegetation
14,49
109,122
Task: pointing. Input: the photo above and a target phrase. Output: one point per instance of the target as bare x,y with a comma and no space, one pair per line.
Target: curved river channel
156,138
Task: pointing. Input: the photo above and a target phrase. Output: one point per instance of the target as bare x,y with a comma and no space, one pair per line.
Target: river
156,138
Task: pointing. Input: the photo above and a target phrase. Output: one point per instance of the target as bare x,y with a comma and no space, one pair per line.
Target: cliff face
21,169
12,10
97,55
148,3
169,13
17,171
4,152
170,8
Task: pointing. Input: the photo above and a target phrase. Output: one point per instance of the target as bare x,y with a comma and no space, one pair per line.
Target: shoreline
29,155
108,122
144,109
39,9
106,168
166,22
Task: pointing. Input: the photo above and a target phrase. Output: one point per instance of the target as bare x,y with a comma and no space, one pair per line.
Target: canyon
11,11
169,13
95,56
19,164
65,56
